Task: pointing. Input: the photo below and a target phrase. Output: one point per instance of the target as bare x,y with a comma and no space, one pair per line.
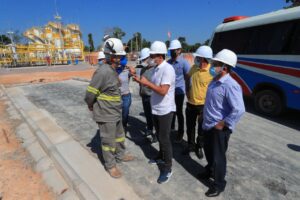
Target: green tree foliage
115,32
137,42
19,38
91,42
294,3
4,40
186,48
118,33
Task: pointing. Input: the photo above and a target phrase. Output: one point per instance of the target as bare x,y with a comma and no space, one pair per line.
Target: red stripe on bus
245,87
287,71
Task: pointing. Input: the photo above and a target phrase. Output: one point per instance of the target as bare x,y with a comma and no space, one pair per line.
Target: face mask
120,69
144,64
197,62
123,61
100,62
173,54
213,71
151,62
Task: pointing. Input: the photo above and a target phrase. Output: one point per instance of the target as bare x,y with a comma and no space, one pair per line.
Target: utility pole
136,44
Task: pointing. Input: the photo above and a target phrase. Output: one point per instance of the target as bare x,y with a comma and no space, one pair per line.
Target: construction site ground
263,155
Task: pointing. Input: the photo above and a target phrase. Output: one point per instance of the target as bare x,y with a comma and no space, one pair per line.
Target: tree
91,42
206,42
18,37
194,47
294,3
115,32
185,46
136,42
86,48
4,40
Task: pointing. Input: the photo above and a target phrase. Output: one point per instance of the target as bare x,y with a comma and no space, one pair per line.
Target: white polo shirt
164,74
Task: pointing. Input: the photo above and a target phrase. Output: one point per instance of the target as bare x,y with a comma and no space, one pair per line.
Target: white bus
268,49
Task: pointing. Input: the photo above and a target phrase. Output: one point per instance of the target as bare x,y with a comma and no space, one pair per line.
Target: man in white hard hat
147,70
223,108
181,67
162,105
104,100
198,80
101,58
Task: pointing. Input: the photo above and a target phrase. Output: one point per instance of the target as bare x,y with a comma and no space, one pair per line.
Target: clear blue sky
193,19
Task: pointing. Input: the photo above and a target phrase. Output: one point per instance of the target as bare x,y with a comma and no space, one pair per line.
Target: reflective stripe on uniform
109,98
93,90
120,139
108,148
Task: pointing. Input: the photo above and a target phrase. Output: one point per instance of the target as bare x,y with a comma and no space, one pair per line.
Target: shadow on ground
136,130
290,118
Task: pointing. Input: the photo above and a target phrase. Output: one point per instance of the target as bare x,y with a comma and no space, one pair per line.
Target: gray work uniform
103,95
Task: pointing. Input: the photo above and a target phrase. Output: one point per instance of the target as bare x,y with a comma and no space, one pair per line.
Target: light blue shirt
181,67
224,101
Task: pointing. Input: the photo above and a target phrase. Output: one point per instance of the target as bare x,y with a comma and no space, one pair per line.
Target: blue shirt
181,67
124,80
224,101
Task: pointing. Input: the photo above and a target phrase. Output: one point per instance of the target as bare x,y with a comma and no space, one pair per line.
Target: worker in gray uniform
103,98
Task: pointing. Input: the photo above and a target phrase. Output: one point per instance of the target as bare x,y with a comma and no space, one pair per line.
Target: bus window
270,38
235,40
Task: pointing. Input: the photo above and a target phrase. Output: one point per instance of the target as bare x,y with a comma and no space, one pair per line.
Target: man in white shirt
163,106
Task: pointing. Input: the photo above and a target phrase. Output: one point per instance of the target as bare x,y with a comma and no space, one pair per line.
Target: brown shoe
126,158
114,172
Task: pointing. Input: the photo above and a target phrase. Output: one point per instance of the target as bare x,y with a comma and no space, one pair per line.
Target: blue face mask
100,62
120,69
123,61
212,71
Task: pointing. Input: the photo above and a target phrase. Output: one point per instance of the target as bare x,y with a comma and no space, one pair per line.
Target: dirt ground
37,77
18,181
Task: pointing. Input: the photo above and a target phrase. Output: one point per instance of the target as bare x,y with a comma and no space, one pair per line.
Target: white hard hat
158,47
105,37
101,55
203,52
227,57
175,44
144,53
114,46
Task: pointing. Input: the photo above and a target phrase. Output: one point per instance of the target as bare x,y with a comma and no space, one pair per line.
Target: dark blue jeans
147,111
126,102
215,147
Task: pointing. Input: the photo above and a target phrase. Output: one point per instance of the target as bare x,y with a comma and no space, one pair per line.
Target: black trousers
162,124
194,113
215,147
179,98
147,111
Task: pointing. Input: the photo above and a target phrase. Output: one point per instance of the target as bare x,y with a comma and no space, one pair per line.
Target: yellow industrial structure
48,45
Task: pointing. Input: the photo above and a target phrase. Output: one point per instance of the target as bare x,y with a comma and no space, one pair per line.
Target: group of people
214,102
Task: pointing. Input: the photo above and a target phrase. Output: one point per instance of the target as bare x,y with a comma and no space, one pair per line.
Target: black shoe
203,175
212,192
153,139
199,152
164,177
188,150
148,132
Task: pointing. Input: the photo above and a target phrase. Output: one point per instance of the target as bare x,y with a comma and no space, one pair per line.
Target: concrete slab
263,161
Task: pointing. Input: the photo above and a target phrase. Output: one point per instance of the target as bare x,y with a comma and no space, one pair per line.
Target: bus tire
268,102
